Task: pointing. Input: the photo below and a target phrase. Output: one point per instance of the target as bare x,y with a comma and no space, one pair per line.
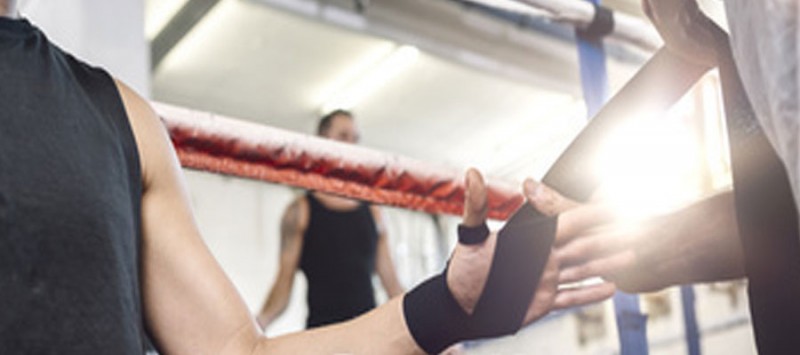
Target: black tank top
70,195
338,260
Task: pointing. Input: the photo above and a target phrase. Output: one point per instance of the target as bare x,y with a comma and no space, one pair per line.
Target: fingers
592,246
601,267
574,217
473,230
578,220
476,205
545,199
582,296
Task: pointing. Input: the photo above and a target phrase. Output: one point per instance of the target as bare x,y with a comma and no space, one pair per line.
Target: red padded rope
227,146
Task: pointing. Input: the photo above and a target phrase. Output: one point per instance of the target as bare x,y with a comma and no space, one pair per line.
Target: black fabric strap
434,317
767,217
429,309
523,246
472,235
661,82
602,24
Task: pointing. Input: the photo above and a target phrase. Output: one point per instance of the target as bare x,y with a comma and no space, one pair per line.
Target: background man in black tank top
337,243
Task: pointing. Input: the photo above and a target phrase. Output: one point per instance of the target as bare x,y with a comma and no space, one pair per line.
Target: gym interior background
436,80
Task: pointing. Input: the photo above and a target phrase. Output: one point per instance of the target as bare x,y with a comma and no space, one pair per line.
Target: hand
470,264
637,257
591,241
684,28
698,243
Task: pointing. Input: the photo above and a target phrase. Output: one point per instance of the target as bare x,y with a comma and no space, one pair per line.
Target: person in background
338,243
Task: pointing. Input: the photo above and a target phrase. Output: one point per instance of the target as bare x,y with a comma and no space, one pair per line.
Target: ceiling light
158,13
372,79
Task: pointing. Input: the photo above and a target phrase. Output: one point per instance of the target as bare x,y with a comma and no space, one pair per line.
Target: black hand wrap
436,320
472,235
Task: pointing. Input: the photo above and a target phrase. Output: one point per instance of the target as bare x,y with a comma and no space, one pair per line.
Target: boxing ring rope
223,145
626,28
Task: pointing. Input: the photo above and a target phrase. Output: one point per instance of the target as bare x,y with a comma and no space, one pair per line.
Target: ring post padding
602,24
631,323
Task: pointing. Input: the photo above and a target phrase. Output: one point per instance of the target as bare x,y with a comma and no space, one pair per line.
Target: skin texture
468,268
694,244
295,221
192,308
685,29
8,8
698,243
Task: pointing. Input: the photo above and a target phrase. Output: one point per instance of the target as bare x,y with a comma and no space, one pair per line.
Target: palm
470,264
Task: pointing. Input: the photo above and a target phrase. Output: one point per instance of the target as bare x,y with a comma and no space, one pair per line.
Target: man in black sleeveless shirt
337,243
97,240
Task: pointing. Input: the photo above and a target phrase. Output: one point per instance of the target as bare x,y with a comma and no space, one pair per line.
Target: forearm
711,247
394,289
381,331
390,283
697,244
276,303
385,269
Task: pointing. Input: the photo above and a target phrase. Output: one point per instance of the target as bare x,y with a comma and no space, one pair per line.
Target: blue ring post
690,320
631,323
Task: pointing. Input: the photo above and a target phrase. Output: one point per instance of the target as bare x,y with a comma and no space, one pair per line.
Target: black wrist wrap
434,317
473,235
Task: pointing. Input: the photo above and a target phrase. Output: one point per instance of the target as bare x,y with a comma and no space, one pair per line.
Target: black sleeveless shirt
70,194
338,260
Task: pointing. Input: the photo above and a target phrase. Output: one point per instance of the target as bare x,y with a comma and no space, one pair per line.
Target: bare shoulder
152,140
141,115
295,217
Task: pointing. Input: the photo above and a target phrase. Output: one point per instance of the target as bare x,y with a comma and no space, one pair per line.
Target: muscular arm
383,263
190,306
293,225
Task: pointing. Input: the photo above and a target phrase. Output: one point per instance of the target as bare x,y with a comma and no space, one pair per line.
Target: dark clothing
768,223
338,260
70,193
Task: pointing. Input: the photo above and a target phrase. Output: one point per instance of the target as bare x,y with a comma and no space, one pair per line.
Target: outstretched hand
694,244
470,264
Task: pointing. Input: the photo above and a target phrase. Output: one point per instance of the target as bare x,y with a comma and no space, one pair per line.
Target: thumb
476,206
545,199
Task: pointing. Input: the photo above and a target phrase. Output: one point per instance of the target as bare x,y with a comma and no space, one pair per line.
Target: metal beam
177,28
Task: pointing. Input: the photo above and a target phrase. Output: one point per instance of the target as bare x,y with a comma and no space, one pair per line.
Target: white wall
107,33
239,221
239,218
